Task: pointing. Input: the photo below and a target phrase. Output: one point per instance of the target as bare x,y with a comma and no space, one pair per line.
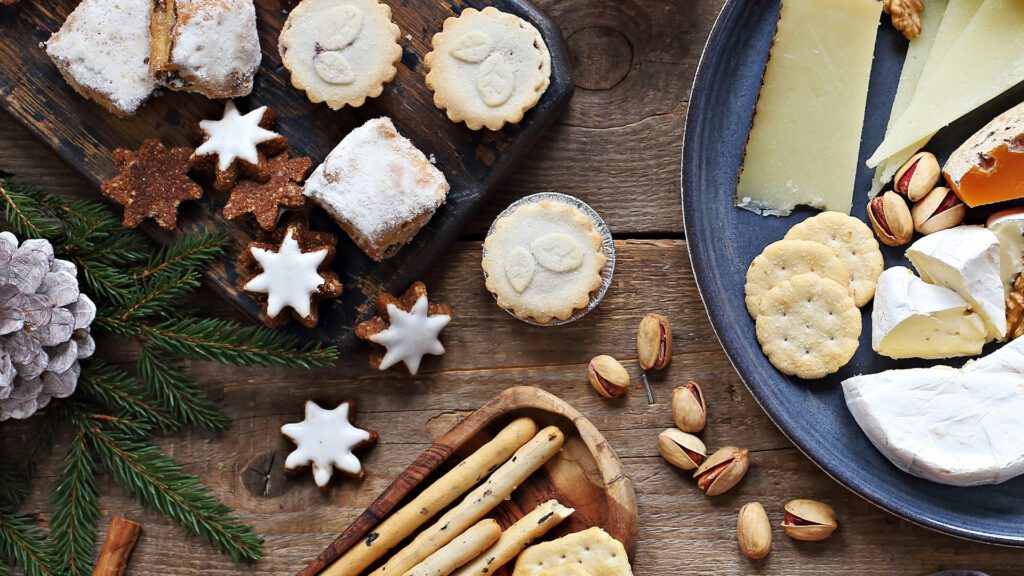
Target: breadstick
477,503
469,545
433,499
517,538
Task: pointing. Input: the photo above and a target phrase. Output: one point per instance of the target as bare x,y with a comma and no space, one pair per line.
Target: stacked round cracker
804,291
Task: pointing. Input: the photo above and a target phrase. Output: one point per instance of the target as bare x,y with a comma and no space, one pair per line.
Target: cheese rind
989,166
978,67
965,259
1008,226
960,427
913,319
805,139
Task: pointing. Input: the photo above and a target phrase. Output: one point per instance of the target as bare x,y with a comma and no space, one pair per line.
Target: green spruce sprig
114,412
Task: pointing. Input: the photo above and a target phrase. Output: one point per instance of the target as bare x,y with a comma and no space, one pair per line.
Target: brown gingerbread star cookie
264,200
405,329
238,145
152,183
290,269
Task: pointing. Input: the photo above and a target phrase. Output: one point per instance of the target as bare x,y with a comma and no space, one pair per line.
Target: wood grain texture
624,160
474,162
586,475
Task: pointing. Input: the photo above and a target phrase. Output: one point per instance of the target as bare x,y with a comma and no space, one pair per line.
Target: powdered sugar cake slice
379,188
102,51
205,46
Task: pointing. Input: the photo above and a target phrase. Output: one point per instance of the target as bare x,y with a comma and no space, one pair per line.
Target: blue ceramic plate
724,239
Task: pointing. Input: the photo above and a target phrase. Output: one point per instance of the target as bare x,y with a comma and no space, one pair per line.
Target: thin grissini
518,536
477,503
436,497
467,546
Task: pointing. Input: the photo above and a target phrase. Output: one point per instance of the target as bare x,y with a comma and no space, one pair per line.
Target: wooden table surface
618,148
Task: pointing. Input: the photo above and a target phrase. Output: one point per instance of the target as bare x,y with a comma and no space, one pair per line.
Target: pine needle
76,511
13,486
24,212
229,342
24,544
188,253
179,394
156,481
110,386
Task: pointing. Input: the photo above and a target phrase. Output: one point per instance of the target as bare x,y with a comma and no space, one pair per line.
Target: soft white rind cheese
965,259
913,319
961,427
1008,226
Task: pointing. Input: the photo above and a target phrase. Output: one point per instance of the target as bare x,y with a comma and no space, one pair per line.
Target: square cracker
593,551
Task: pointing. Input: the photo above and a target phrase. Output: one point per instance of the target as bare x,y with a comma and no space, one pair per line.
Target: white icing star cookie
290,276
235,136
407,329
325,441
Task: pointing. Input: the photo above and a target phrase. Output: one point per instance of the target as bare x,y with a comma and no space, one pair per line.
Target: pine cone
44,326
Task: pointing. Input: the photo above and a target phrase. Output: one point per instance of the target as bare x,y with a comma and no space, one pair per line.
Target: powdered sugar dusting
104,47
377,180
216,42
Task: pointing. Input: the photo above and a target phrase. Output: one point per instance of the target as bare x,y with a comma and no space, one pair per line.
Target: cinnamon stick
117,547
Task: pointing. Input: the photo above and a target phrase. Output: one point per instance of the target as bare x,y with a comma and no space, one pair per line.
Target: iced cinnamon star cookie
488,68
543,261
340,51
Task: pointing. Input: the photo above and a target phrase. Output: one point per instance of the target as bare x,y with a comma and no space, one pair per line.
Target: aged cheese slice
913,319
803,146
942,22
1008,226
989,166
978,67
953,426
965,259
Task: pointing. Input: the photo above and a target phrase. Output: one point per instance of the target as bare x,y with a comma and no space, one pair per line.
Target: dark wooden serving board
83,134
586,475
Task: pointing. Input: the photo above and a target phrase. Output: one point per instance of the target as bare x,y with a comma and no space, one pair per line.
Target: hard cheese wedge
941,24
913,319
1008,226
989,166
803,146
978,67
953,426
965,259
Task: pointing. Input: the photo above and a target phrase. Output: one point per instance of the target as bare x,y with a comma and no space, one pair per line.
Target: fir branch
158,295
112,387
179,394
42,430
188,253
24,544
105,280
76,512
13,487
24,210
157,481
229,342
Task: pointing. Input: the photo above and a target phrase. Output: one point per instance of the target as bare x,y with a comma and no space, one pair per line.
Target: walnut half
1015,310
906,16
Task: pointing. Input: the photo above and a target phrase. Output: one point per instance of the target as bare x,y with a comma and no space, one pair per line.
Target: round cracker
809,326
853,241
785,259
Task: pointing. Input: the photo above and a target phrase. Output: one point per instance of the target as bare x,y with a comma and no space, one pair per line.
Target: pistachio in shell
754,531
722,470
809,520
688,408
682,450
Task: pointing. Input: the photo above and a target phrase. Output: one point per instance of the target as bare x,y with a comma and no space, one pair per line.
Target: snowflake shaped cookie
406,328
238,144
292,272
325,441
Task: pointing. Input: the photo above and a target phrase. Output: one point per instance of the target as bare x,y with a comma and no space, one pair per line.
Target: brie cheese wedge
961,427
965,259
913,319
1008,226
